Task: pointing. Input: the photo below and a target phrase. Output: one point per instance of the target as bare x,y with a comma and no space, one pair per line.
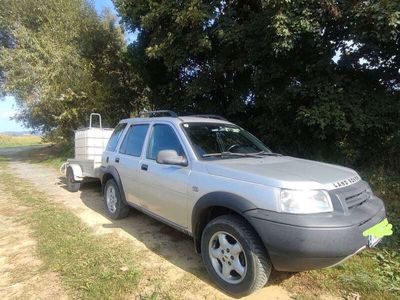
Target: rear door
127,161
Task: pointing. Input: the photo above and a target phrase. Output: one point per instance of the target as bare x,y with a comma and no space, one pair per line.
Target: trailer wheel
72,185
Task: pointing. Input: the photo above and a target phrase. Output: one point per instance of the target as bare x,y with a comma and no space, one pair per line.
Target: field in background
8,141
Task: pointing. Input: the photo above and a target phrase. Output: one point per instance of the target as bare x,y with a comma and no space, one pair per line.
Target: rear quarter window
115,137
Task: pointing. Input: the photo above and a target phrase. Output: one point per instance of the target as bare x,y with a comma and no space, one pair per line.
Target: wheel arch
213,205
76,172
111,172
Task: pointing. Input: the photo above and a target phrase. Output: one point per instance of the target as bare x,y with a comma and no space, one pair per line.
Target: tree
64,62
268,65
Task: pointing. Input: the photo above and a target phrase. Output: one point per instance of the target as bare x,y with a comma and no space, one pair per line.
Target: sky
7,110
101,4
8,107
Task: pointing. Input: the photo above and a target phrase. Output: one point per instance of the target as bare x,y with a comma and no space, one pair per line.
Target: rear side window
134,140
116,135
163,137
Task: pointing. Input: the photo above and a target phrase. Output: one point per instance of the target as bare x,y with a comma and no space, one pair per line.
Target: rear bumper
299,243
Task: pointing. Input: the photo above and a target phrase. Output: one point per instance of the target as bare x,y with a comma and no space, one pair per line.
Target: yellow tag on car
380,230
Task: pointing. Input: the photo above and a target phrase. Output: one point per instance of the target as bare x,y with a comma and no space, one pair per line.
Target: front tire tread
262,265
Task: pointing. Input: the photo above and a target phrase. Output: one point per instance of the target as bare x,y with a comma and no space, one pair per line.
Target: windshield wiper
232,154
267,153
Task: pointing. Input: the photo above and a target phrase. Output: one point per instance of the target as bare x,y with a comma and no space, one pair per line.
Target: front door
163,188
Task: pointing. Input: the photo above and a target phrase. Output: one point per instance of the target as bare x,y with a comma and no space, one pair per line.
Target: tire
115,207
254,263
72,185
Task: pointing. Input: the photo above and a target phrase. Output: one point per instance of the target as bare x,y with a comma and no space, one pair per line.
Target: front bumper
305,242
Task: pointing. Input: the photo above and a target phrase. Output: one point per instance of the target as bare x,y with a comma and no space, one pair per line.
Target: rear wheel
234,255
72,185
115,207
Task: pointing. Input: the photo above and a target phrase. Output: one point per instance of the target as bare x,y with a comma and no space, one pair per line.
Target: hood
284,172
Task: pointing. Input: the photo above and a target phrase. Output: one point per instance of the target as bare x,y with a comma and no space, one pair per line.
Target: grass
8,141
91,267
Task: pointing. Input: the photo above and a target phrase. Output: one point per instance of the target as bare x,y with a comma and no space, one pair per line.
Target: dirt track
164,254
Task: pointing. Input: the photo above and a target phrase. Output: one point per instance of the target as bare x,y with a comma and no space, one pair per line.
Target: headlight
305,202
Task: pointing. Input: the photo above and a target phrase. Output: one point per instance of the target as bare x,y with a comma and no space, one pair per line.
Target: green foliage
267,65
389,268
387,186
62,61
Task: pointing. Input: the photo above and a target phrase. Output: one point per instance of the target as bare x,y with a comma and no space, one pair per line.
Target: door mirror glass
171,157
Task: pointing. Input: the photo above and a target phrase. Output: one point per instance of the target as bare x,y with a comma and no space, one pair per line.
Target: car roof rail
209,116
158,113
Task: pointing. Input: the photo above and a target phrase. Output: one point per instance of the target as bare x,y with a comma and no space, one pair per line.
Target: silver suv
247,208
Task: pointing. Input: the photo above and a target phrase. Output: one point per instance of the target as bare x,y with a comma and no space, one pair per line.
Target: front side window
163,137
116,135
134,140
211,139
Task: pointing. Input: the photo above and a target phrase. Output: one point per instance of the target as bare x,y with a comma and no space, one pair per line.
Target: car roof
177,120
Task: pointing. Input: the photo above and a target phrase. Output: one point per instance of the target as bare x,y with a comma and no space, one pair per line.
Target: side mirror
170,157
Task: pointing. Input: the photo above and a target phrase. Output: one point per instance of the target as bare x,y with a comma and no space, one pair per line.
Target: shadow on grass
50,155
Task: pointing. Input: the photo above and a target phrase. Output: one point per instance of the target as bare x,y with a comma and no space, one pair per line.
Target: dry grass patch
8,141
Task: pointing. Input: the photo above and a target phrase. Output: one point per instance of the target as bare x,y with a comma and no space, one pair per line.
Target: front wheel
234,255
115,207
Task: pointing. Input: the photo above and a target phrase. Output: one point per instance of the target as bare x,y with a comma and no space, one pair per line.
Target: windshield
213,140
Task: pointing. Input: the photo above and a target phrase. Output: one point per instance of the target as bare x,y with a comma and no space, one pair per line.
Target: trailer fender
77,171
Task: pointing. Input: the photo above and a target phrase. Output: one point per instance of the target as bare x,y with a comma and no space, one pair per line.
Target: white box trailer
90,144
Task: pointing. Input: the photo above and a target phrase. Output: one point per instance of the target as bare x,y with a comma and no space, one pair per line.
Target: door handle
144,167
117,159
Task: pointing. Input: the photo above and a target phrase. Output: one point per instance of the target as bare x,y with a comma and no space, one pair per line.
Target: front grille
357,199
353,195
